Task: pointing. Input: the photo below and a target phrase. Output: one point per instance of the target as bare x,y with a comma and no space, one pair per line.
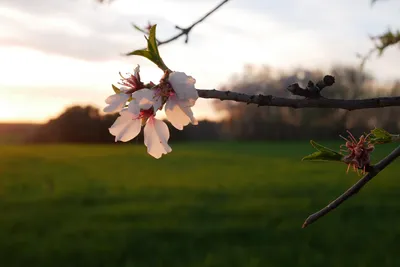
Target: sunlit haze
57,53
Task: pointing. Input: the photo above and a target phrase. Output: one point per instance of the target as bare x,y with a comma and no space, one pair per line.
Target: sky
58,53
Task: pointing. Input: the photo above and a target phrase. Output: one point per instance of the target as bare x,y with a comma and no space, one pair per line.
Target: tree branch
269,100
355,188
186,31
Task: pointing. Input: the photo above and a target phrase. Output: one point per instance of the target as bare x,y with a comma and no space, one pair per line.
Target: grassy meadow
205,204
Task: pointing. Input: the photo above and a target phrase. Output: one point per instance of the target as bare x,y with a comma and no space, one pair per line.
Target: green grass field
205,204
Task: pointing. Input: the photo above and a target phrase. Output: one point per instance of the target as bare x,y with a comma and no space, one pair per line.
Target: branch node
312,91
328,80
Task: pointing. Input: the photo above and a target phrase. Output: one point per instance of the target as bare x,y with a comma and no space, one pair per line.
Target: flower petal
183,86
146,98
120,122
116,102
134,108
125,128
112,98
156,135
188,111
175,114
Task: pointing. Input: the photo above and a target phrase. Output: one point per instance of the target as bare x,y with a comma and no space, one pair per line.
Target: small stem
186,31
355,188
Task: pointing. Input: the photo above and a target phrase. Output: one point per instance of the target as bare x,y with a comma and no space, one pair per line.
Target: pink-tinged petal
145,98
176,116
131,130
183,86
134,108
112,98
120,122
115,102
162,131
126,127
188,111
124,89
156,135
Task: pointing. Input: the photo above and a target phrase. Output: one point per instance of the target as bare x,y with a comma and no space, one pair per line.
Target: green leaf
323,154
116,90
151,52
143,53
152,41
321,147
152,46
380,136
380,133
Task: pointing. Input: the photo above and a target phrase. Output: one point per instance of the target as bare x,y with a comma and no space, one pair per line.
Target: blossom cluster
138,103
358,152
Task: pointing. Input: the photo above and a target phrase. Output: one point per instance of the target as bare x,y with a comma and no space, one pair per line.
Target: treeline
277,123
249,122
86,125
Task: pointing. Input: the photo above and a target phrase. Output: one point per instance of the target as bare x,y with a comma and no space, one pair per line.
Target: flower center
164,90
132,82
144,114
358,152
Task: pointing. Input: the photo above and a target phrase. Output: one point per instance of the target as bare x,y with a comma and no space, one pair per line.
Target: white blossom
183,86
179,112
156,135
130,84
116,102
126,127
179,95
143,106
179,103
145,99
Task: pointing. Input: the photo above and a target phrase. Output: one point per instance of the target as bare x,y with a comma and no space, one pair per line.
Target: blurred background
234,191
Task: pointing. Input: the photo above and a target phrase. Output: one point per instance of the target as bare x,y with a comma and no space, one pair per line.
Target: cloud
76,29
69,51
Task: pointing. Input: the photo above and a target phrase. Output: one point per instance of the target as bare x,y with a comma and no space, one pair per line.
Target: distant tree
79,124
252,122
76,125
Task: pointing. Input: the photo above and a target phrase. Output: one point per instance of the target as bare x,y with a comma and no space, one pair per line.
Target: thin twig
186,31
355,188
269,100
